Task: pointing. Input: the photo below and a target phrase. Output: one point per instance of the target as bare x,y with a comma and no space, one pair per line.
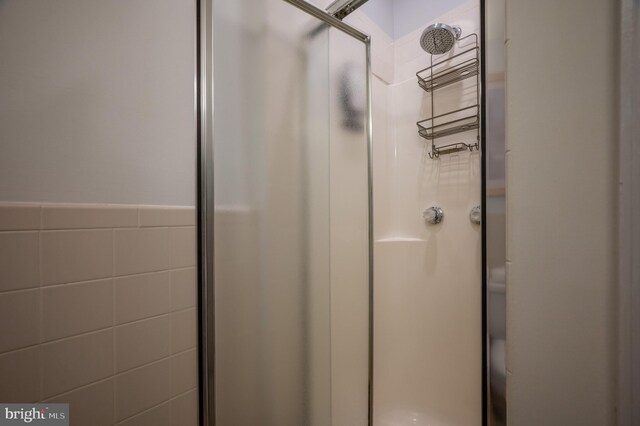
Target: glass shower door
291,231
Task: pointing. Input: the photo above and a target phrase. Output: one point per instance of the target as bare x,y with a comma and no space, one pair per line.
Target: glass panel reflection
495,206
291,284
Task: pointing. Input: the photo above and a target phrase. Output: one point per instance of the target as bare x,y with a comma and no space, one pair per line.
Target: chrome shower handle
433,215
475,215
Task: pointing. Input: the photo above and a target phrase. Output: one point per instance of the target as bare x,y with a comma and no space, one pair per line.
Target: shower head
439,38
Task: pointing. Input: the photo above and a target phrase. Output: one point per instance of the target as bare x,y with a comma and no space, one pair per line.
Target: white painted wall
97,101
381,12
397,18
410,15
562,68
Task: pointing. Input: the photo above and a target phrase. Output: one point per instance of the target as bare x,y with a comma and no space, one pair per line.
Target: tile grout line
170,335
145,273
20,290
97,227
124,324
100,330
94,280
72,283
63,204
23,348
40,307
113,322
183,393
183,351
104,379
89,228
150,363
96,331
145,411
77,335
79,388
168,401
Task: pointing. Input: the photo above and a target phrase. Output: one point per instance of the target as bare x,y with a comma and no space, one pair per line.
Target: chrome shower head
439,38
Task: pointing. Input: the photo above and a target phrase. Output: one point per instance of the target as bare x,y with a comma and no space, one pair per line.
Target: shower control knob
433,215
475,215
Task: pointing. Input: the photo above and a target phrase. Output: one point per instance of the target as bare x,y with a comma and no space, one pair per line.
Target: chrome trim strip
343,8
369,128
324,16
205,202
484,320
628,322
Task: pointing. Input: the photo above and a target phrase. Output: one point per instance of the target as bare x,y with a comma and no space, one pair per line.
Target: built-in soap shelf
446,72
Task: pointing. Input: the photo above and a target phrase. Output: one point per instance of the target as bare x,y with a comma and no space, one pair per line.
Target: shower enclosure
286,225
285,158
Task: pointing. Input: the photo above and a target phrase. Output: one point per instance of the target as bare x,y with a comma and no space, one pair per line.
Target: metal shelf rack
453,122
446,72
437,76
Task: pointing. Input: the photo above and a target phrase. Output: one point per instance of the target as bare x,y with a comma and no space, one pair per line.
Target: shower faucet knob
475,215
433,215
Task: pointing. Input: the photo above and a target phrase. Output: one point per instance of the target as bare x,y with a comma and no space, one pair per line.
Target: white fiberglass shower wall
427,279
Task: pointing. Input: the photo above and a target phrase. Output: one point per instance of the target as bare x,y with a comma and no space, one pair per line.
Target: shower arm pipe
340,9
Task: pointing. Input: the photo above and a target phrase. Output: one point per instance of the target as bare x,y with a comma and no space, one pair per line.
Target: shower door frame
628,321
203,86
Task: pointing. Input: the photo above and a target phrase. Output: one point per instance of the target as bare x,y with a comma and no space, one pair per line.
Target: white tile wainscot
98,309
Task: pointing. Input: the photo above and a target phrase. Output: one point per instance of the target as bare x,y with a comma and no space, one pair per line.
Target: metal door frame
628,386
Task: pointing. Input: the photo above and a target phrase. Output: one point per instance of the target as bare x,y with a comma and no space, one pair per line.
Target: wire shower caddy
446,72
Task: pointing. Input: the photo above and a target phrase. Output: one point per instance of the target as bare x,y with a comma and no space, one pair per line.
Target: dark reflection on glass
352,100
